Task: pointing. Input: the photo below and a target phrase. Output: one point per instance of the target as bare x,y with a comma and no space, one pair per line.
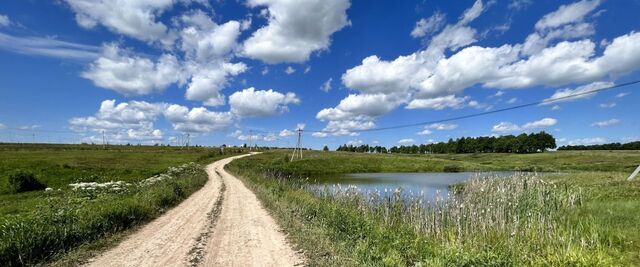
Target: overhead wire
536,103
400,126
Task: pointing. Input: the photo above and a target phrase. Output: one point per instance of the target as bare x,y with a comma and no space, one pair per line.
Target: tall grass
73,218
521,220
513,205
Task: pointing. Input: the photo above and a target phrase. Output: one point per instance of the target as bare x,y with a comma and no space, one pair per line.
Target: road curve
242,234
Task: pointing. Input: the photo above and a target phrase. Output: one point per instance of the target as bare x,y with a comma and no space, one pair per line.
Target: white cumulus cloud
406,141
119,70
508,127
295,29
197,120
133,18
251,102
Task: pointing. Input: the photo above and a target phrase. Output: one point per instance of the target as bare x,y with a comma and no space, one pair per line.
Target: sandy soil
245,234
242,234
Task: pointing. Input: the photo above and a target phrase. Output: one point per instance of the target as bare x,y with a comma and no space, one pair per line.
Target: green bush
451,168
23,181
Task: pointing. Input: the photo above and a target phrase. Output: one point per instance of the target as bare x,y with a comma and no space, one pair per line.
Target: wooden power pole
297,151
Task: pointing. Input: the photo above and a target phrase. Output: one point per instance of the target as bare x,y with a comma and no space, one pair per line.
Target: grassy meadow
585,216
93,195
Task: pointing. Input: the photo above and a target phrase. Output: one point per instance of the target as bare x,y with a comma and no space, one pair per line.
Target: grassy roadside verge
602,230
63,226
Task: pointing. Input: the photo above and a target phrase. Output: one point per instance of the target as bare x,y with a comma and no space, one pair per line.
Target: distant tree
325,148
611,146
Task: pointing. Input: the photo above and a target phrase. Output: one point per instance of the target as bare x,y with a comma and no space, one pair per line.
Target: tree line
523,143
612,146
363,149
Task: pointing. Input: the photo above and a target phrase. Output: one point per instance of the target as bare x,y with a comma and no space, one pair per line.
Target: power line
546,101
39,130
185,141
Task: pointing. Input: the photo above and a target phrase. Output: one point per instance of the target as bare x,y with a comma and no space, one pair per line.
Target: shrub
22,181
451,168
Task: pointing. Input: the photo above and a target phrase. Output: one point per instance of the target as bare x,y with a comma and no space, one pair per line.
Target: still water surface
429,184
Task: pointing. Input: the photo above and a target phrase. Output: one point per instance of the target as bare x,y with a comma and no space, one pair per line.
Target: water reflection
430,185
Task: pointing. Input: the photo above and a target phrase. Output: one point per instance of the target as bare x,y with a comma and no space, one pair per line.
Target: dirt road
222,224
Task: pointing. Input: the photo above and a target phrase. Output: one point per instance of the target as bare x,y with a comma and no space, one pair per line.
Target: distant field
586,216
315,162
43,225
58,165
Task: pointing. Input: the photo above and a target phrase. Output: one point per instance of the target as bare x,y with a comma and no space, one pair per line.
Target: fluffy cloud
286,133
543,123
268,137
134,121
208,80
295,29
377,76
607,123
370,105
346,127
357,112
128,74
438,103
406,141
385,85
4,21
424,132
442,126
550,56
204,66
427,26
134,114
355,142
587,141
208,49
133,18
567,14
203,40
505,127
124,122
251,103
198,120
508,127
581,91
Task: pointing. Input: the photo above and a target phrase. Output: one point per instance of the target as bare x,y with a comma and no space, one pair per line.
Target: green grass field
587,216
41,226
590,211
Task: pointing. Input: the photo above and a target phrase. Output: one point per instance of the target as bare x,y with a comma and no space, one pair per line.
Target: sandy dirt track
243,233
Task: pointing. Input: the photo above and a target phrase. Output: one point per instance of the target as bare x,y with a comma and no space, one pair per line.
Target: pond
430,185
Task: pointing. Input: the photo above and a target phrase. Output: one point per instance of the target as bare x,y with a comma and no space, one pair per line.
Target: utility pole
250,137
297,151
34,138
188,140
104,141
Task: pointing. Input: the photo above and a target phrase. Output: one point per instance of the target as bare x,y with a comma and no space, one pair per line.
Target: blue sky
147,71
